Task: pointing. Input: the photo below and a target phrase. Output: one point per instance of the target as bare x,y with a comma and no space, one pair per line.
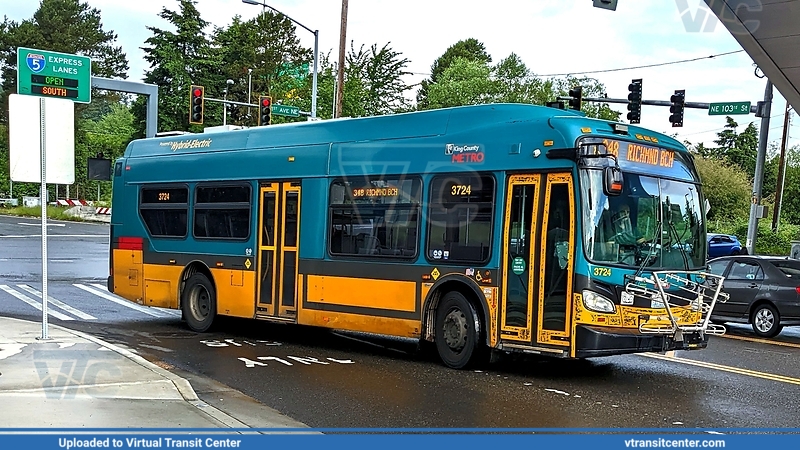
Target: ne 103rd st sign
721,109
52,74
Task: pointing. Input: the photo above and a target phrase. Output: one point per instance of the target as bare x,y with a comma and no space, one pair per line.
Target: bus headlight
596,302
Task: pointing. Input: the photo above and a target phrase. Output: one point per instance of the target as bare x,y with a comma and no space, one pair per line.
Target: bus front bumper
110,284
593,341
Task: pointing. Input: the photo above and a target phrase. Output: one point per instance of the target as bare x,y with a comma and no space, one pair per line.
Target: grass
53,212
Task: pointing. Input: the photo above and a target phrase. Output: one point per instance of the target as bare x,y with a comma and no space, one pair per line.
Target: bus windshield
655,223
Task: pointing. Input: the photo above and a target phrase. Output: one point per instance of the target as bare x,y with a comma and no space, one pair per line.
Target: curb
181,384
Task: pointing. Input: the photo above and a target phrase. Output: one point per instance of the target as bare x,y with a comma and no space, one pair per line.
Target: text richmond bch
162,442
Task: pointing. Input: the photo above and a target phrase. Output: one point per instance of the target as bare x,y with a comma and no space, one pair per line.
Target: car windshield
655,223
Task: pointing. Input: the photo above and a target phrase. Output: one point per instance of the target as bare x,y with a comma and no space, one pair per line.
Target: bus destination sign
52,74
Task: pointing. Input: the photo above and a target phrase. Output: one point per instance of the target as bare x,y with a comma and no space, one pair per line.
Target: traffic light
635,101
264,110
196,99
577,95
676,110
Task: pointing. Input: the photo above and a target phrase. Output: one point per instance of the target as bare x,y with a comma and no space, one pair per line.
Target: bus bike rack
675,290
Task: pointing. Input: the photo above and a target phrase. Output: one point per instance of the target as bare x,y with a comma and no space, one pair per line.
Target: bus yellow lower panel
127,271
236,292
161,285
359,322
361,292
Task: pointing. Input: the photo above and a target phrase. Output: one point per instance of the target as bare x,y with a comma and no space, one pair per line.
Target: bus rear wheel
199,303
457,331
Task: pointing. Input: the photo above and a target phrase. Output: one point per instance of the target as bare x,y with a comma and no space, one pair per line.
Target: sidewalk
74,380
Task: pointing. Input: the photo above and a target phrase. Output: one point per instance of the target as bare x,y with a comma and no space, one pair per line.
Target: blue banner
399,439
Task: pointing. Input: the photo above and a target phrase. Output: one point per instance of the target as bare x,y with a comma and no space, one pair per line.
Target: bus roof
563,127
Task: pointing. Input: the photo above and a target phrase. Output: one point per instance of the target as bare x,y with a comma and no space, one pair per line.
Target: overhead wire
641,67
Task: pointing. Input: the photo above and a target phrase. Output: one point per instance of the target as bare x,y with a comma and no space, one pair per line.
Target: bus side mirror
612,181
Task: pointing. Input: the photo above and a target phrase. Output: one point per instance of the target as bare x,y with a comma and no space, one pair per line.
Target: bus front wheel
199,303
457,330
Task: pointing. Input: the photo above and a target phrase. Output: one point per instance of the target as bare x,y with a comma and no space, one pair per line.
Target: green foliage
768,242
726,188
738,148
177,60
53,212
67,26
470,49
464,82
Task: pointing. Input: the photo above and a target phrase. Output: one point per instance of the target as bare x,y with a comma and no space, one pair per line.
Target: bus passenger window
374,217
164,210
460,218
222,211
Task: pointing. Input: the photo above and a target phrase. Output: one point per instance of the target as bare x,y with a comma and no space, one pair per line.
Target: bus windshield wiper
674,232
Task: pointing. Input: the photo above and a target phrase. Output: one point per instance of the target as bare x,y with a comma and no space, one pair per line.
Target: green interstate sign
721,109
282,110
52,74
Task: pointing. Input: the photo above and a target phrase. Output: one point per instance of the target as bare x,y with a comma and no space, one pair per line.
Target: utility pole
342,45
776,213
755,205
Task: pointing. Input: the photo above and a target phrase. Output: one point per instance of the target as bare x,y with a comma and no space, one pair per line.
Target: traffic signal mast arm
252,105
694,105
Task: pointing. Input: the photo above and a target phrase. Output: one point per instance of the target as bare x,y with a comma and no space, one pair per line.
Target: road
330,379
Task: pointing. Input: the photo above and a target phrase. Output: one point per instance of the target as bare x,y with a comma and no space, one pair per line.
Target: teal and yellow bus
502,227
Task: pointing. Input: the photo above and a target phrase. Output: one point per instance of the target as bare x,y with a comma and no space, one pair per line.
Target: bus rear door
279,223
539,246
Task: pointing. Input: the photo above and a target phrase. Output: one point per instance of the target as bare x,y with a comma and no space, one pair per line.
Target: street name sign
721,109
283,110
52,74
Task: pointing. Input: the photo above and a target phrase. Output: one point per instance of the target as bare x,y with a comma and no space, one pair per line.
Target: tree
470,49
740,149
726,187
268,45
177,60
67,26
380,75
473,81
464,82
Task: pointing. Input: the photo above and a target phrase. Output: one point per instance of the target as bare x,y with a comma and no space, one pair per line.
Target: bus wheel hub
455,330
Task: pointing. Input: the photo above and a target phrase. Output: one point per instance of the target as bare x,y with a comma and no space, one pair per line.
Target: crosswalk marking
34,303
57,303
128,304
167,311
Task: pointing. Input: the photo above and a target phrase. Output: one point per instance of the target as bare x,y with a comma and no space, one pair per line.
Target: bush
768,242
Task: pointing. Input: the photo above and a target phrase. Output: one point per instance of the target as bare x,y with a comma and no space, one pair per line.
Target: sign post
729,108
54,77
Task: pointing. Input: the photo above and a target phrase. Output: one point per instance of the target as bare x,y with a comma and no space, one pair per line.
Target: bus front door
539,246
279,222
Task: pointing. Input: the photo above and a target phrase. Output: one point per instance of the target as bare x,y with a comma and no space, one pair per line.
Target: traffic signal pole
694,105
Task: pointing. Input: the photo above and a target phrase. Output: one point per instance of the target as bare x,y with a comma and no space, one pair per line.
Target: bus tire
199,303
457,330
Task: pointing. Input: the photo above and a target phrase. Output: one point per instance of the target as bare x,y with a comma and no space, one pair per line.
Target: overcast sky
550,36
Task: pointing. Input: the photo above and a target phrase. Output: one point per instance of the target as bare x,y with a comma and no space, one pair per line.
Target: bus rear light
797,289
130,243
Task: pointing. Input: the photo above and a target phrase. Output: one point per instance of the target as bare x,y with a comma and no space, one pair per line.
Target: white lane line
34,303
119,301
38,224
49,236
170,312
57,303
